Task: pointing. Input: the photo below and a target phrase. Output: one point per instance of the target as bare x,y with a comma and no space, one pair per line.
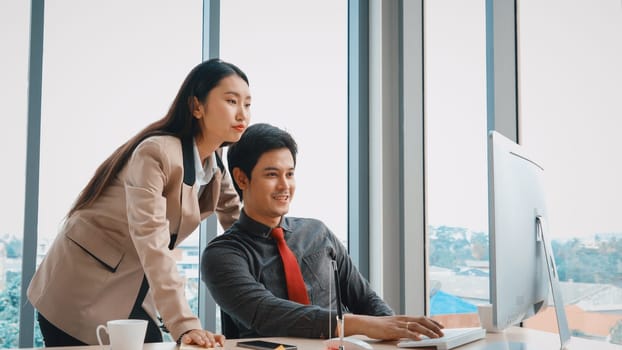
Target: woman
113,257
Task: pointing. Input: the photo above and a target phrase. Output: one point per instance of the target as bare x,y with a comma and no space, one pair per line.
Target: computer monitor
521,263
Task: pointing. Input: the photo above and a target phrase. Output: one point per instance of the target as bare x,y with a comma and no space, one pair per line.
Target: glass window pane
110,68
14,39
570,117
297,67
456,178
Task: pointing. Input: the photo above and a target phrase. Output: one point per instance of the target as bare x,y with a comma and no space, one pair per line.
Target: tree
9,311
13,248
449,246
615,335
479,246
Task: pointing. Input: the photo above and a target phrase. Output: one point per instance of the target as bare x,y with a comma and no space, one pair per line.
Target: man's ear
196,107
240,178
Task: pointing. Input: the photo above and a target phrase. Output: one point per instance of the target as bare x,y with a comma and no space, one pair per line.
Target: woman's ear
196,107
240,178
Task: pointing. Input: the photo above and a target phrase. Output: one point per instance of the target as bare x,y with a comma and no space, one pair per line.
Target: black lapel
187,151
219,162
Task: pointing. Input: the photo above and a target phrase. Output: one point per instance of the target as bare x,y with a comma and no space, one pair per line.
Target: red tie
296,289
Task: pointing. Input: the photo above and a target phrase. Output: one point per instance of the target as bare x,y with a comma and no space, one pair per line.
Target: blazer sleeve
148,172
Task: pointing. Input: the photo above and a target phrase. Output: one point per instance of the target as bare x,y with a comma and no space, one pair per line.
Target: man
245,273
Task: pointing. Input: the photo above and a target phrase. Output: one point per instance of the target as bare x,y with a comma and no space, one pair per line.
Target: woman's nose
243,114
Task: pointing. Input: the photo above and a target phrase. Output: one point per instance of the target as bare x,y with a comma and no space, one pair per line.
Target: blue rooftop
442,303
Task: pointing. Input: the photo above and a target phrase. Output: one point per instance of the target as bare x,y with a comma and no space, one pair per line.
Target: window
110,68
455,102
297,69
570,115
101,88
14,38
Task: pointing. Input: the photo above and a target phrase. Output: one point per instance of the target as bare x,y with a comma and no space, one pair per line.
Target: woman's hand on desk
203,338
392,327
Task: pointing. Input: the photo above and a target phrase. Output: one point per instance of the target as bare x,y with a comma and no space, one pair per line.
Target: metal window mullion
413,251
384,152
208,228
501,67
358,131
33,147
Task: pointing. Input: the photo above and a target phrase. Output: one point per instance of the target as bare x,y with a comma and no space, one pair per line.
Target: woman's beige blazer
94,268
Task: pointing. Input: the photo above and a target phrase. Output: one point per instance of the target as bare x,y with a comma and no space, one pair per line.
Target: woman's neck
205,147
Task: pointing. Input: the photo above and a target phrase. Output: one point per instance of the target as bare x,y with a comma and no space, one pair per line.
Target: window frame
383,207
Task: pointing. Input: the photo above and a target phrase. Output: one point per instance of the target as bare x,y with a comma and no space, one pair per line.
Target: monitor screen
519,281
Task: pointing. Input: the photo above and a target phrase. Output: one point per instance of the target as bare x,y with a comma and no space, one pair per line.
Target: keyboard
453,337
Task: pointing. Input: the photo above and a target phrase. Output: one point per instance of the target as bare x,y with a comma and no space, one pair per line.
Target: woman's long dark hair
179,122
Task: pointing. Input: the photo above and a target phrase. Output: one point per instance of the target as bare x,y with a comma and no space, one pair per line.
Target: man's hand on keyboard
392,327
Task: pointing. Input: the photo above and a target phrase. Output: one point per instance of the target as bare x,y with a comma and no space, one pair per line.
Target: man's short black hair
257,139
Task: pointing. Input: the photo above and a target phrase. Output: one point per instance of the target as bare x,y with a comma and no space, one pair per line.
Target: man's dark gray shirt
244,273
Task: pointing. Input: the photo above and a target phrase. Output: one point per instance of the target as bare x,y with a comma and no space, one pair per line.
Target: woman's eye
232,101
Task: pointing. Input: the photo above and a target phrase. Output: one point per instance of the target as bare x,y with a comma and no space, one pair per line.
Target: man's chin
282,210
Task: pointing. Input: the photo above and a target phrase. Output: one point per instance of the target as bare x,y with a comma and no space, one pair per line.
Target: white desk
511,339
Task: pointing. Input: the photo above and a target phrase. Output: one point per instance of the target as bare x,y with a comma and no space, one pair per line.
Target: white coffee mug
124,334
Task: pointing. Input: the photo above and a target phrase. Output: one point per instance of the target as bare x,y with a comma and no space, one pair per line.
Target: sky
107,73
570,89
102,86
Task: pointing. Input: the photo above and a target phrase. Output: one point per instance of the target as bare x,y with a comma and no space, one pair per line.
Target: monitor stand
562,322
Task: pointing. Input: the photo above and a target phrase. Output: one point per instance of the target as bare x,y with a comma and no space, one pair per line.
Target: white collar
204,173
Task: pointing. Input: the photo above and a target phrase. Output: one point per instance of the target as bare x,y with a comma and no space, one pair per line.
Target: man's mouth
281,197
